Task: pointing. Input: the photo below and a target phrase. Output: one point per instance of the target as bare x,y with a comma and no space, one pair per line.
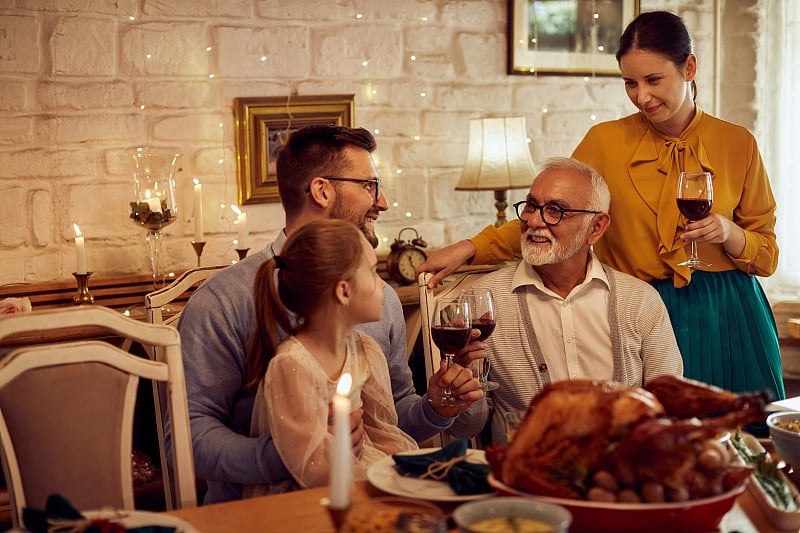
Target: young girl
327,284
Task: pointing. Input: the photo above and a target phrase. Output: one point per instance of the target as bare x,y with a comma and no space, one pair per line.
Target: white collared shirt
573,332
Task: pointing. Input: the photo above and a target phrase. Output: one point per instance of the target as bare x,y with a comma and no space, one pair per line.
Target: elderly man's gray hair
601,197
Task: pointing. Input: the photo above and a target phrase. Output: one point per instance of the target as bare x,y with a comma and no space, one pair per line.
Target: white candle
198,211
80,249
241,226
341,480
154,203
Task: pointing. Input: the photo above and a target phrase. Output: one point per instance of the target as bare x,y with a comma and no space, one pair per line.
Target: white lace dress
292,402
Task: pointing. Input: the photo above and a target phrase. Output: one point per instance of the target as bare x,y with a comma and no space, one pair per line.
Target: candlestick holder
242,252
83,295
198,249
337,515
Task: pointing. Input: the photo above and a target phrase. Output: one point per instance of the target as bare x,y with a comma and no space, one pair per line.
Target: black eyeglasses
551,213
371,185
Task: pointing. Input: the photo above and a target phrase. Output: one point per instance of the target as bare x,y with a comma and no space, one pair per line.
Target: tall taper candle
198,211
241,226
80,250
341,480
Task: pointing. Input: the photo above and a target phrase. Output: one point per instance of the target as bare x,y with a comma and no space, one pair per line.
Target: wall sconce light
498,159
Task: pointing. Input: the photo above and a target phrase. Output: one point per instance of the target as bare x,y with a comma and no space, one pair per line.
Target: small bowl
787,442
469,515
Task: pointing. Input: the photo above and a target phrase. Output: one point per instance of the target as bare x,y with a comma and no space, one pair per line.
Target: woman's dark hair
661,32
313,259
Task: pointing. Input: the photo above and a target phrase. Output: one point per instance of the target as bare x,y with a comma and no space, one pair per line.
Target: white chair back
66,411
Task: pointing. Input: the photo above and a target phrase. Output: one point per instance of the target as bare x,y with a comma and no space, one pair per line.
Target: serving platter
383,475
599,517
781,518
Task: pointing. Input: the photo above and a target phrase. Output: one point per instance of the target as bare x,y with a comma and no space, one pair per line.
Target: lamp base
500,204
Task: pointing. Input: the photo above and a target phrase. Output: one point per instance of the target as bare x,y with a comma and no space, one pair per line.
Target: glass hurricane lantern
152,205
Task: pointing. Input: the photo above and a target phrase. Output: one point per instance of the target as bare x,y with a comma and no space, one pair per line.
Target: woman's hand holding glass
450,331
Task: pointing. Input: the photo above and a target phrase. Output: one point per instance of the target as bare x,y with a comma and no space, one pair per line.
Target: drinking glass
695,196
450,330
482,312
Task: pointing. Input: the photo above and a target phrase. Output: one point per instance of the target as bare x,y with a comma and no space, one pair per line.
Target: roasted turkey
602,440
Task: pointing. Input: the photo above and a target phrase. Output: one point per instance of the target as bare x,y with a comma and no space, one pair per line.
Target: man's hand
445,261
473,351
356,429
462,385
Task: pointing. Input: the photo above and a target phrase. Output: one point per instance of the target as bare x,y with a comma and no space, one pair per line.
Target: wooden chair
427,299
66,411
156,300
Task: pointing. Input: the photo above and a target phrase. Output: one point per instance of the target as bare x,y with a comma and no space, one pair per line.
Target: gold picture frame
577,37
262,125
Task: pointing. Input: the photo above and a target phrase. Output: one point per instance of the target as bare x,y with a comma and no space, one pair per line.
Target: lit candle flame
77,230
345,382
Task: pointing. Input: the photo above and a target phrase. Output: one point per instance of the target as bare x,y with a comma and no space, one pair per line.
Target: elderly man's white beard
537,253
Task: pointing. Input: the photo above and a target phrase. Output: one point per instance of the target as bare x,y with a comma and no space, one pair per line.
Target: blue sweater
215,327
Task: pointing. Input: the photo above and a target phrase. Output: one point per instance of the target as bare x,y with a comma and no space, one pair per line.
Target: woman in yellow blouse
722,320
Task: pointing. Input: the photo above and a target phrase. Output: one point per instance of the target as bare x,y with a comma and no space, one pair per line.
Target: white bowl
787,443
555,516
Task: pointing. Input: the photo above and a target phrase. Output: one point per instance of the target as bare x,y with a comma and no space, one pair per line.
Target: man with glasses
561,313
323,172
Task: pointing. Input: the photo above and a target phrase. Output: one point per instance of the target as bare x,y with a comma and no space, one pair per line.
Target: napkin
463,477
60,515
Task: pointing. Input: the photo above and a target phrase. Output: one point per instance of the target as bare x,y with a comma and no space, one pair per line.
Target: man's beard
340,212
536,255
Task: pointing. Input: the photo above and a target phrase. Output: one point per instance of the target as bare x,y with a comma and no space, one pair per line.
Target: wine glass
450,330
482,318
695,196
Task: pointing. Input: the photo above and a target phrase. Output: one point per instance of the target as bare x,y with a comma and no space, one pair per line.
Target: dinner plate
131,519
596,517
383,475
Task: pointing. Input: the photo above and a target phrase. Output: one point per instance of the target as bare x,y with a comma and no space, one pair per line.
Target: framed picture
576,37
264,124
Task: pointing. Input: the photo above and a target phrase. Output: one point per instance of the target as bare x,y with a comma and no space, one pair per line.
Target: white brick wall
73,76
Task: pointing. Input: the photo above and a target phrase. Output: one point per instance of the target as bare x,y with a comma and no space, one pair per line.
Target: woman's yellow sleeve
495,245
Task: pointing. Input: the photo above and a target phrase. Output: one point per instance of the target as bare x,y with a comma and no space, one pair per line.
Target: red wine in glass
482,308
485,326
450,331
694,209
450,339
694,198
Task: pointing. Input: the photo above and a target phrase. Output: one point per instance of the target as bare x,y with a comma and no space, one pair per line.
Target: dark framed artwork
578,37
262,126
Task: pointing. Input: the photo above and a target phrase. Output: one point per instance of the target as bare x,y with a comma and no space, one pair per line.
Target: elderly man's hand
443,262
473,351
462,384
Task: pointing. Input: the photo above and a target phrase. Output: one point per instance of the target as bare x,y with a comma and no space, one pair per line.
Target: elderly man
323,172
561,314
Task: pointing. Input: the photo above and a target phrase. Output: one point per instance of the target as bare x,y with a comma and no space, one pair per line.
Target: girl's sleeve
297,409
380,417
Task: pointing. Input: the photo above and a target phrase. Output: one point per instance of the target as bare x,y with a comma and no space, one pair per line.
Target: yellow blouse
641,166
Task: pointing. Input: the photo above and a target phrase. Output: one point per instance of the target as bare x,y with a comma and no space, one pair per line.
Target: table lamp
498,159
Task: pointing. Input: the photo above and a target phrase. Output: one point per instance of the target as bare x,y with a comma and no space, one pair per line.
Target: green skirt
726,331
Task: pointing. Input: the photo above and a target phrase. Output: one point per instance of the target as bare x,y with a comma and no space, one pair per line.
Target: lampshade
498,156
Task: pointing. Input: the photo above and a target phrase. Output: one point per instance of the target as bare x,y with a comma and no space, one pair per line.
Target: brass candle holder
198,249
242,252
337,515
83,295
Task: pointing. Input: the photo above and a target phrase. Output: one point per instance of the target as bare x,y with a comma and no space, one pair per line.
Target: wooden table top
302,511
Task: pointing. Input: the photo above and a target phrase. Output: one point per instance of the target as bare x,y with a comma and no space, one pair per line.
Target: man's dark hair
315,151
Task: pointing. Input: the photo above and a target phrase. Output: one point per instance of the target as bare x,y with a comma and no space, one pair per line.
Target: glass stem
694,251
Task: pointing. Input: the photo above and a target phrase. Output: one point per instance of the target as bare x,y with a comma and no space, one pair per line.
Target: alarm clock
405,257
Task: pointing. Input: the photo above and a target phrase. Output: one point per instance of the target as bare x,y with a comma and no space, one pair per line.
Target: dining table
302,511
